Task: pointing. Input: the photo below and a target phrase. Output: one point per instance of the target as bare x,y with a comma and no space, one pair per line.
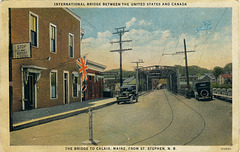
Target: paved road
160,118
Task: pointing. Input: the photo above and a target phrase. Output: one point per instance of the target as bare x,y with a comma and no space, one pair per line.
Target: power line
178,38
95,28
182,29
209,36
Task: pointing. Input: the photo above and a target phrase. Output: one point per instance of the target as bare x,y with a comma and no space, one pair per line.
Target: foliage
228,68
215,85
192,70
217,71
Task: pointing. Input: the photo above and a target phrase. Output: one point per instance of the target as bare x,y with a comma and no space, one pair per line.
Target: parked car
127,94
229,92
202,90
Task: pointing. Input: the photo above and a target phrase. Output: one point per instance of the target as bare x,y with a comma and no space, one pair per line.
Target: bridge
148,74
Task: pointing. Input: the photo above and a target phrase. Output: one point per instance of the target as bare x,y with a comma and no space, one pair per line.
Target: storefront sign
21,50
108,73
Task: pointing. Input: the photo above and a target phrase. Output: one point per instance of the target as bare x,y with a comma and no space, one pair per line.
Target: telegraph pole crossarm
186,51
120,50
167,54
122,41
120,31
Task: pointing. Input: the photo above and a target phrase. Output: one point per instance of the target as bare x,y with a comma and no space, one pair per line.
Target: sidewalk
25,119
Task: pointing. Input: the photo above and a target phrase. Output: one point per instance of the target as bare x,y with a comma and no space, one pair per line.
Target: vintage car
127,94
202,90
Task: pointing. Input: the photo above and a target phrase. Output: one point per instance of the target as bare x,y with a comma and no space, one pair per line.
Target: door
29,92
66,87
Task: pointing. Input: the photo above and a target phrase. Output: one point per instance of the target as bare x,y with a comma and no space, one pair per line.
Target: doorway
29,92
65,87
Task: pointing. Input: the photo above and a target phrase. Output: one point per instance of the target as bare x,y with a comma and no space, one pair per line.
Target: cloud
144,23
150,45
131,22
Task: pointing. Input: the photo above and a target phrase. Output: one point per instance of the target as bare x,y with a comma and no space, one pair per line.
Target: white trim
72,13
34,67
55,37
68,100
55,71
70,34
91,74
96,66
23,103
29,27
35,102
74,72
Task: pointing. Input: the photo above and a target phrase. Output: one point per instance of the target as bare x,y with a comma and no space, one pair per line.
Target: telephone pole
137,62
120,31
186,64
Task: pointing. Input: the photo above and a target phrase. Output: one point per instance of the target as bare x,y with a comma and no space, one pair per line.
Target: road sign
21,50
108,73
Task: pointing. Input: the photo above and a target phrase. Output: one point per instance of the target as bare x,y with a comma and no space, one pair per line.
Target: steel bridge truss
148,74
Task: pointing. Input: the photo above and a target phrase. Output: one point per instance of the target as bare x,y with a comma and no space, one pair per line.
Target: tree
217,71
228,68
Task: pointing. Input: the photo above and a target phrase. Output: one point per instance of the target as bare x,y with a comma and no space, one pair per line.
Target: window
53,84
70,45
53,38
75,84
33,29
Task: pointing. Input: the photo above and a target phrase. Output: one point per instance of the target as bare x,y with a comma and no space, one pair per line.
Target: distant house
129,80
207,77
224,79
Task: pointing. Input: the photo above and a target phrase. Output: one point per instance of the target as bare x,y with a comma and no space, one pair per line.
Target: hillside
192,70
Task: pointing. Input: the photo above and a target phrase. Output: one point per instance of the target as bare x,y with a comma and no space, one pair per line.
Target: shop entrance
29,92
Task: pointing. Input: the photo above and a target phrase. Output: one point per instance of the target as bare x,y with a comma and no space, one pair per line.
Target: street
159,118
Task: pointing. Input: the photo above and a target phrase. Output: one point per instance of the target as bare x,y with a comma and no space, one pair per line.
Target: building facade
49,76
93,87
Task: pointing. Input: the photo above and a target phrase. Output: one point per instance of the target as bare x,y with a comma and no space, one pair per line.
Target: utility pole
120,31
137,62
186,64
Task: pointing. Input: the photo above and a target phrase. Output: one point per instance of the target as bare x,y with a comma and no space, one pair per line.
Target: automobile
202,90
127,94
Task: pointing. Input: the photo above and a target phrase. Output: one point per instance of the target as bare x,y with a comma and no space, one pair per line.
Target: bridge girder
159,72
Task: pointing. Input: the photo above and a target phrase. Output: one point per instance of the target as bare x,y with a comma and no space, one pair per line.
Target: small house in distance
224,79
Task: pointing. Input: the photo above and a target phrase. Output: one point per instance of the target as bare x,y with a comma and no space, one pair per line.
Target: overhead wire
178,38
182,30
210,35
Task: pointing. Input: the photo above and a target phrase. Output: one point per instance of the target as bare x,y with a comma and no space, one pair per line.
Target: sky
157,34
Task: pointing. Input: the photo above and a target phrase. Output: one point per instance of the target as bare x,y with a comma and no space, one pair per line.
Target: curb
54,117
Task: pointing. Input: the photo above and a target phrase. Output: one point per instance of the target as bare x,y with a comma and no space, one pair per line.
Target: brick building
49,76
94,84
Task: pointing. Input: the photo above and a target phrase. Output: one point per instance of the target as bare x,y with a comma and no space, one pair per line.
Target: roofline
73,14
97,64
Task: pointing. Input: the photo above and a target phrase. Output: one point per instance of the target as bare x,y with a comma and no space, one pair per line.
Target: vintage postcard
119,76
